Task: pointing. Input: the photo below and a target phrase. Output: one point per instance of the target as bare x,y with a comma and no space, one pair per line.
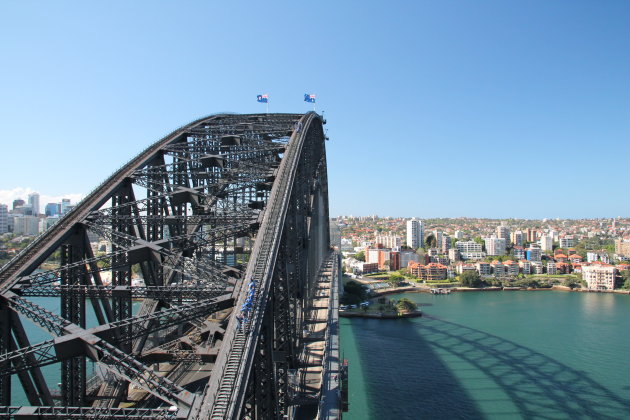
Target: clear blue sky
434,108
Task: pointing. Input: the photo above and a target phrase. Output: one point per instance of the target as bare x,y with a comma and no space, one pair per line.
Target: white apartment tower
415,233
495,246
546,243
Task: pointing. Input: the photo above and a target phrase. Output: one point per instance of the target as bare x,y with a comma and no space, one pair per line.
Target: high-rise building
517,238
534,253
437,234
532,235
18,203
4,218
33,202
415,233
567,242
495,246
26,225
546,243
52,209
445,243
65,203
503,232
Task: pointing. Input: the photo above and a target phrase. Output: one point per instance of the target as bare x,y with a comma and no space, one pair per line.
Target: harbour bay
492,355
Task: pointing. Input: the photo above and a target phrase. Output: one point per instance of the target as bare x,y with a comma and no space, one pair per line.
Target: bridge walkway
318,376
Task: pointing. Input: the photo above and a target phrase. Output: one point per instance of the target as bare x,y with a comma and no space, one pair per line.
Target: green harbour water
493,355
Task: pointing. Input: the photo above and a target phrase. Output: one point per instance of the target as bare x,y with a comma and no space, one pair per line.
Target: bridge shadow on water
412,369
404,377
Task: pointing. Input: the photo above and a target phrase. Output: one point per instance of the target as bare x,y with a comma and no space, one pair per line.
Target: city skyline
434,109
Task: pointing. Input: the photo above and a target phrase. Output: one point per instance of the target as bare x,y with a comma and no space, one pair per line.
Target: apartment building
495,246
468,246
519,252
484,268
517,238
546,243
511,268
526,266
498,269
567,241
473,256
599,276
536,267
429,272
534,253
503,232
415,233
622,247
388,241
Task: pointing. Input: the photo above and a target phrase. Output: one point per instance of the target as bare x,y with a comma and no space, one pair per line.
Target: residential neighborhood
591,253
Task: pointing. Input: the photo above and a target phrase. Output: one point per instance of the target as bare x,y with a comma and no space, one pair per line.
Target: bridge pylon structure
177,287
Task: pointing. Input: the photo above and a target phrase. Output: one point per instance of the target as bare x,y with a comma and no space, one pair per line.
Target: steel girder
224,196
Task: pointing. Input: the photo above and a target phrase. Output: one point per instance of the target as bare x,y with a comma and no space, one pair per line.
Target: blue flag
309,97
263,98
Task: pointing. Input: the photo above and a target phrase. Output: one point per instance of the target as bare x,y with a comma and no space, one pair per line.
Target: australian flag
309,97
262,98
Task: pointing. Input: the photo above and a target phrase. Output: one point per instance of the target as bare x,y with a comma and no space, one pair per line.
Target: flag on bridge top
309,97
263,98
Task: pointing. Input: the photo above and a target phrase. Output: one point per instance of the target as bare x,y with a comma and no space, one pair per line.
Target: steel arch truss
182,278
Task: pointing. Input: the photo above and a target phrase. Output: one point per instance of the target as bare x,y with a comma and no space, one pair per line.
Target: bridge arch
225,221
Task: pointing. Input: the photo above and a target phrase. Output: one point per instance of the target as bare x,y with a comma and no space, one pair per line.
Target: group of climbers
248,306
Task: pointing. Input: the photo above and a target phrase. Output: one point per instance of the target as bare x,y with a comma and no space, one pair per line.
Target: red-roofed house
560,258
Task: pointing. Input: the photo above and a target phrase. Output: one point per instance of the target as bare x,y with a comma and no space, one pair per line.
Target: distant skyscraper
415,233
65,203
52,209
18,203
4,218
33,202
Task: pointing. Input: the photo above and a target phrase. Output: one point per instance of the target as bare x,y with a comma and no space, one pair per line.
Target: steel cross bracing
225,221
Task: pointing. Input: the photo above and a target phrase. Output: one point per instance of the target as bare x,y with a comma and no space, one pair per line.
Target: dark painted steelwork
226,222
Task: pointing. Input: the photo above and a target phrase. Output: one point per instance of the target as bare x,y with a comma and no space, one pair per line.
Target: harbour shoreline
495,289
414,314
